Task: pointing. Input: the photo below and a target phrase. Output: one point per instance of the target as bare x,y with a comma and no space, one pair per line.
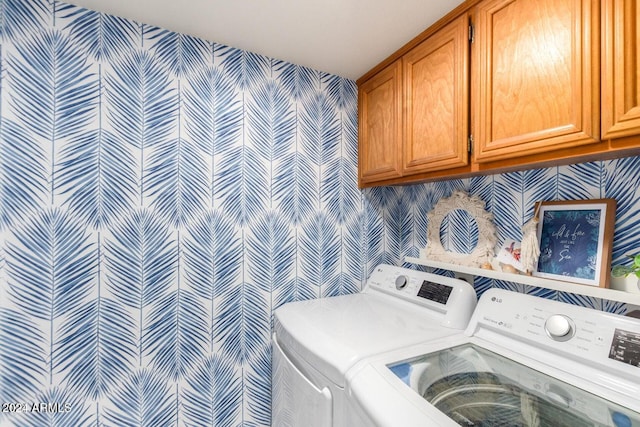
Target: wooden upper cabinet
436,95
535,77
620,75
380,126
544,82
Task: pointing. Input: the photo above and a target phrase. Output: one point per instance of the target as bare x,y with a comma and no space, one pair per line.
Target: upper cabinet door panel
380,125
621,62
535,77
436,75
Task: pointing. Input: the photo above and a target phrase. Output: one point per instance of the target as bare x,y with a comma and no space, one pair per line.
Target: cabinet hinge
471,33
470,144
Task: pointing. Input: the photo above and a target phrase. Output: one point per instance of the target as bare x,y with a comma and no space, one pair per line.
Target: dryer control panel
454,298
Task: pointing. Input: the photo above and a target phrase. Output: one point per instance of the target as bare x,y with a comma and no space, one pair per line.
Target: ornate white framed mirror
456,215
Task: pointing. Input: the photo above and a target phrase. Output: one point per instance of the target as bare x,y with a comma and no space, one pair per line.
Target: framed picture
575,240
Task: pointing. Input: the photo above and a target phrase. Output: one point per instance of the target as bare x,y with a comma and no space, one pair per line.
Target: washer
315,342
523,361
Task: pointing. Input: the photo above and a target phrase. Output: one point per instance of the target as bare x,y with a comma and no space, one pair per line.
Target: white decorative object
530,247
629,283
509,256
484,250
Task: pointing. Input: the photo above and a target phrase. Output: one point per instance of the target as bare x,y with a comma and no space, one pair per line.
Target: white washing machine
315,342
523,361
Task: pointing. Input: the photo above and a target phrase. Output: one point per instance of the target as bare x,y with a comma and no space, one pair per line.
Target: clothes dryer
315,342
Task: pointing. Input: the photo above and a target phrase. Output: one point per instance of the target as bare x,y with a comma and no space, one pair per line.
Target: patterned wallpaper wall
160,195
395,217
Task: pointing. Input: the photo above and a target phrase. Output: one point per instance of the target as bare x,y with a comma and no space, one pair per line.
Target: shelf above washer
591,291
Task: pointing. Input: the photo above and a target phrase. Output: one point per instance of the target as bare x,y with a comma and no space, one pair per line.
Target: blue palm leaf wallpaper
144,399
213,395
213,112
319,251
243,322
244,68
397,226
177,333
459,232
97,175
60,414
582,181
102,36
48,69
161,195
212,256
259,387
98,347
341,91
178,53
177,181
622,182
51,265
270,120
297,80
21,357
341,198
23,183
242,184
319,127
20,17
295,187
270,249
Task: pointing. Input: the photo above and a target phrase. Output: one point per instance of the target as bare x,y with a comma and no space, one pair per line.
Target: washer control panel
453,298
561,328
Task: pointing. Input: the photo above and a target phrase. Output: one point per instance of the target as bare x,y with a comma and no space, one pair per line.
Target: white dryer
523,361
315,342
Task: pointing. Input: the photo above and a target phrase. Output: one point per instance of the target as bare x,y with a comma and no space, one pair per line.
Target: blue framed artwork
575,239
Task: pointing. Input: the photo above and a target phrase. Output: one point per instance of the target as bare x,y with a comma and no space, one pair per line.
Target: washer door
477,387
483,398
296,401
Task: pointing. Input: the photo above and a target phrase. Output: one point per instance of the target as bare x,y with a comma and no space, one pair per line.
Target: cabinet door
621,61
535,83
379,128
436,75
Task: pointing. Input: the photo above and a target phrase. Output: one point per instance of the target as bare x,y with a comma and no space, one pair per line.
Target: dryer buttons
401,282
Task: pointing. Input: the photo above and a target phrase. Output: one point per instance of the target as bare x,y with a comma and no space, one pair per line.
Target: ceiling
342,37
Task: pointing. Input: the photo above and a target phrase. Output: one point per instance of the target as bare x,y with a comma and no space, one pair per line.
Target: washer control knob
559,327
401,282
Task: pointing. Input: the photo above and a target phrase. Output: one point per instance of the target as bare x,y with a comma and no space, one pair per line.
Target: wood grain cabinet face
380,126
535,81
620,75
436,101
